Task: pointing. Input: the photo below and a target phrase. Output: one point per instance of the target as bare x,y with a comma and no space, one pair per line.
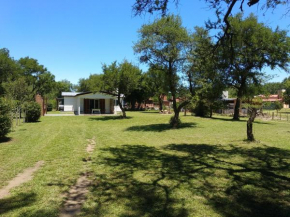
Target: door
102,106
87,106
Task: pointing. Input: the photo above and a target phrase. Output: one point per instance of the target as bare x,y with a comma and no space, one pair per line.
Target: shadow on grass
150,112
5,139
108,118
188,179
16,202
159,127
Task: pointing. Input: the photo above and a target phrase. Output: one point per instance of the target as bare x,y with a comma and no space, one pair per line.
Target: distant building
275,98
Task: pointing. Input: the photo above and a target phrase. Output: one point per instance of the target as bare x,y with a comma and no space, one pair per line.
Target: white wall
107,106
70,104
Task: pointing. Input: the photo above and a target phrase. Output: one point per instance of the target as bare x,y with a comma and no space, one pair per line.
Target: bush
5,118
32,111
49,107
201,109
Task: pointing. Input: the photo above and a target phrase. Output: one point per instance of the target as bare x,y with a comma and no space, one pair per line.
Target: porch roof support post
79,106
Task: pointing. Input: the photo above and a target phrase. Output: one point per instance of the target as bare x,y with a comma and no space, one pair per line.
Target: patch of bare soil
76,197
91,145
77,193
21,178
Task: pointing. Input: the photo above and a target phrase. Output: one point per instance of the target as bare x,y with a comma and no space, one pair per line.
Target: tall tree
120,79
37,76
156,80
252,47
204,77
286,94
164,43
8,68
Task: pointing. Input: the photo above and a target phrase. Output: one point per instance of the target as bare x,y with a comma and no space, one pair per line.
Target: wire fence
265,115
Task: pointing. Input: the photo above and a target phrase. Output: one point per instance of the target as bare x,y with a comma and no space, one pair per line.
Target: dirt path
21,178
77,193
76,197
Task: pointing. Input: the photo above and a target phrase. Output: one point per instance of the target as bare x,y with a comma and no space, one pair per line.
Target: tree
252,47
8,68
223,8
83,85
272,88
278,106
156,81
164,43
120,79
140,94
254,108
286,94
17,90
37,76
5,119
204,78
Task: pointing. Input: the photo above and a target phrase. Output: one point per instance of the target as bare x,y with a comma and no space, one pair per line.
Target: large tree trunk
253,114
237,109
121,107
160,102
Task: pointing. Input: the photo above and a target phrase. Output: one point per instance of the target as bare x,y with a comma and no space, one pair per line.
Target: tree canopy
164,43
252,47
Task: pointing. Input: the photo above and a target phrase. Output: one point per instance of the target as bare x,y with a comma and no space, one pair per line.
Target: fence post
280,116
287,116
272,115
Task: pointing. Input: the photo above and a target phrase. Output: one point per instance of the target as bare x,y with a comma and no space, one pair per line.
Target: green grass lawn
140,167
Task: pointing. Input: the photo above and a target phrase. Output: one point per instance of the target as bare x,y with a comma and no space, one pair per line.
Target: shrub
49,107
201,109
32,111
5,118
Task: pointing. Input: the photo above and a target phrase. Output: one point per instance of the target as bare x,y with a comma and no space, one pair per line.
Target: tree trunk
210,112
253,113
160,102
237,110
175,118
121,107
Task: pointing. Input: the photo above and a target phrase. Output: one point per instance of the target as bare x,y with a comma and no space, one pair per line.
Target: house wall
70,104
107,106
95,96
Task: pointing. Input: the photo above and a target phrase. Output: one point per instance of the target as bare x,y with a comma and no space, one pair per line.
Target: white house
89,103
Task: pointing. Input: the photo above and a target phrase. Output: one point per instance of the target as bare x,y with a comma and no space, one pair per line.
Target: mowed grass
141,167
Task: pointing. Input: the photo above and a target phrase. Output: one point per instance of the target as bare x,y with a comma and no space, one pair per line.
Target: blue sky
72,38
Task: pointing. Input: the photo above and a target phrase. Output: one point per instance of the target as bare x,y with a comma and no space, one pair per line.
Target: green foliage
5,117
32,111
17,90
286,94
121,78
49,107
36,76
278,105
272,88
252,47
8,68
163,44
201,109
